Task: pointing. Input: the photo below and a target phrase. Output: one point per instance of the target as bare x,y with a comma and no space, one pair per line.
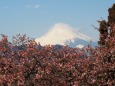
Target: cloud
32,6
36,6
5,7
61,33
28,6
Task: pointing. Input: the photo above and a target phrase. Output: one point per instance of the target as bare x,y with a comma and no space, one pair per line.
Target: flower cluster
25,63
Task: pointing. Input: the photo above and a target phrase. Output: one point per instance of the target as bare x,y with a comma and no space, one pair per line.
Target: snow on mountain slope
80,46
63,34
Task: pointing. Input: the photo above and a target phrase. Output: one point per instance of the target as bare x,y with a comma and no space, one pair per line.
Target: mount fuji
63,34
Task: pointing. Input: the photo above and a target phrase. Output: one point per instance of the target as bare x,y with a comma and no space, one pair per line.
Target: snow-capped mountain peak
62,34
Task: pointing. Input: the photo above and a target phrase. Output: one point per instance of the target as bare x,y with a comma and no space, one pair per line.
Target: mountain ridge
63,34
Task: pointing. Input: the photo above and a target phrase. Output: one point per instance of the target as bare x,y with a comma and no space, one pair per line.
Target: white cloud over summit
62,34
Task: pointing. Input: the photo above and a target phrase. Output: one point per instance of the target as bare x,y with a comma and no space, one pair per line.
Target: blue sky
36,17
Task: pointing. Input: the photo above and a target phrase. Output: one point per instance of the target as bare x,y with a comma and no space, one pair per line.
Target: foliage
34,65
107,29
